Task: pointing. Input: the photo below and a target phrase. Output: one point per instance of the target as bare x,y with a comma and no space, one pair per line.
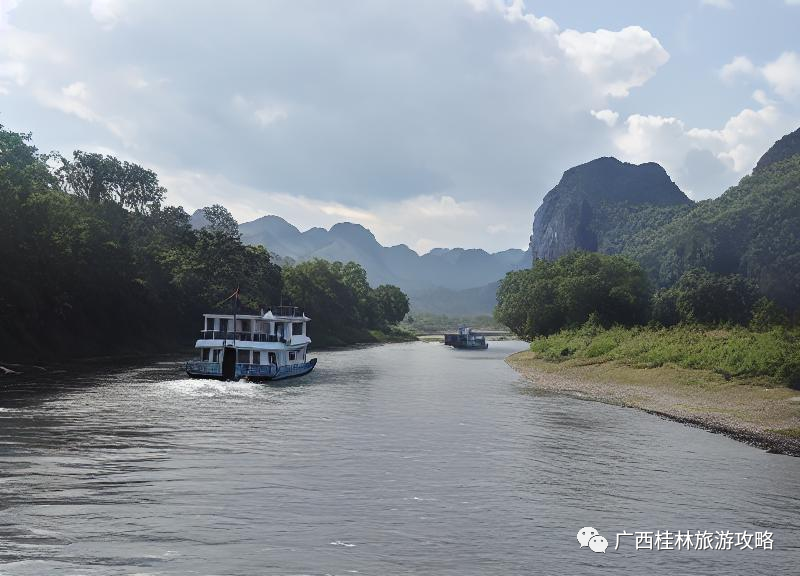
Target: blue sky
432,122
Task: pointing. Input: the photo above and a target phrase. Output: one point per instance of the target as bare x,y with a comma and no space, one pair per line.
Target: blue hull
255,372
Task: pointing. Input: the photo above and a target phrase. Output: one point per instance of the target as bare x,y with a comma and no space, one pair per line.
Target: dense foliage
565,292
700,296
341,302
93,263
751,230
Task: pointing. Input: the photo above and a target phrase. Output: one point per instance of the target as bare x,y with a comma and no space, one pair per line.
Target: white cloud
72,99
735,147
75,99
270,114
515,12
107,13
725,4
739,66
12,72
6,6
761,97
783,75
19,49
615,61
609,117
262,114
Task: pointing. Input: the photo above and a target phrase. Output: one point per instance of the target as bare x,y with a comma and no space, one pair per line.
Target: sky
434,123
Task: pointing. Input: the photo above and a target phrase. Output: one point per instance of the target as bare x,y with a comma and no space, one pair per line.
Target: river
386,460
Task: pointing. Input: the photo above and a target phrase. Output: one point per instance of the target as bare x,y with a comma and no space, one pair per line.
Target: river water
397,459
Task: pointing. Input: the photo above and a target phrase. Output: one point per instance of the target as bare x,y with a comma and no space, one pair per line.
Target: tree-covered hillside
93,263
753,229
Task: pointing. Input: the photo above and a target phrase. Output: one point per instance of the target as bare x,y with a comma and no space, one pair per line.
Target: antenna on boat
235,310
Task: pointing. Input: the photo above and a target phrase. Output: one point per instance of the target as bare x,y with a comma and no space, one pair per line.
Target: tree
708,298
565,292
392,303
221,221
99,178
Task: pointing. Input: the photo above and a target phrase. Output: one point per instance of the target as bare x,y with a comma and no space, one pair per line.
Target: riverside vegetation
707,351
694,316
94,264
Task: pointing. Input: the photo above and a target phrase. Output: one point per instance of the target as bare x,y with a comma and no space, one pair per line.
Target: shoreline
20,369
754,412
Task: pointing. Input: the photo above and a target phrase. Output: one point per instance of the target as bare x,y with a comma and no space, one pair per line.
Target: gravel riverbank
754,412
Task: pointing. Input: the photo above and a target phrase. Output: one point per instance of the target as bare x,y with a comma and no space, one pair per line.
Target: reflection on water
399,459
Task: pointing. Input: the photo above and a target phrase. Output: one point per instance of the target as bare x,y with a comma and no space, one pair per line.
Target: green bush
567,291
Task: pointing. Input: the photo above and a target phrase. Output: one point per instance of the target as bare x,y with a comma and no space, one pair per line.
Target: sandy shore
754,412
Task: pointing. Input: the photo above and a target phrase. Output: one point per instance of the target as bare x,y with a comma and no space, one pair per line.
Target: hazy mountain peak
198,220
352,232
276,223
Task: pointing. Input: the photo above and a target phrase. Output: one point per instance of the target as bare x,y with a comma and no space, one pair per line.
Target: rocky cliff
597,203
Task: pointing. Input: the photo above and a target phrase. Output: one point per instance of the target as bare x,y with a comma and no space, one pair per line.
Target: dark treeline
94,263
611,290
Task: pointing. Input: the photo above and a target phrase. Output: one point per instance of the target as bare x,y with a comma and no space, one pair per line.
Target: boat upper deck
282,325
279,313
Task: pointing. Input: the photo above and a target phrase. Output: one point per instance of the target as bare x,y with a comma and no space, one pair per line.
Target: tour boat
466,338
268,346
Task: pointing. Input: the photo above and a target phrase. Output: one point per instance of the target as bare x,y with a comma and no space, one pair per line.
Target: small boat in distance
466,338
269,346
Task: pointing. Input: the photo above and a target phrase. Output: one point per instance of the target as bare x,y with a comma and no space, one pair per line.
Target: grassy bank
733,380
731,352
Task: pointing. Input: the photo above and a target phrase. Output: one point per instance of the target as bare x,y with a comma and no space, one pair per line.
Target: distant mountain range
605,206
454,281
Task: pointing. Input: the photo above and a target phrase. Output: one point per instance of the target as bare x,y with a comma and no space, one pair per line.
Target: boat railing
287,311
240,336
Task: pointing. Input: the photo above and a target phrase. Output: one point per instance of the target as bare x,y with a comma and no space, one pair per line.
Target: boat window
223,324
297,328
209,323
256,357
243,356
205,354
292,355
245,326
215,356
